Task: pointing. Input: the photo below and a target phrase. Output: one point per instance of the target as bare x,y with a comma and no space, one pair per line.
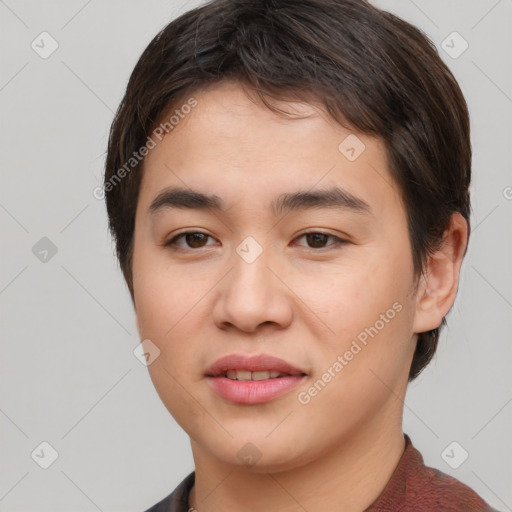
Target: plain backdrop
68,374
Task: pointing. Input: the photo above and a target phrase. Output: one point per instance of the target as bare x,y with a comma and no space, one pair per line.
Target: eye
197,240
193,240
317,239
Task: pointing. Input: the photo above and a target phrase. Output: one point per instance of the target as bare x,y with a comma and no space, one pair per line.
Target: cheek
163,300
356,295
175,391
370,314
171,309
162,294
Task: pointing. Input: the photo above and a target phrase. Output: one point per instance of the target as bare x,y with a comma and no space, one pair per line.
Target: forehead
232,146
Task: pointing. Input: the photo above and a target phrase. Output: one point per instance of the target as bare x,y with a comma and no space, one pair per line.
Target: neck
351,477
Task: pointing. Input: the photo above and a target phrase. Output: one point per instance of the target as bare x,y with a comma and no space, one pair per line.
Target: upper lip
262,362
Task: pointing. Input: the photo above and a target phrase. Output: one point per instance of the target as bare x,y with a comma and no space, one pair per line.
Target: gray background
68,373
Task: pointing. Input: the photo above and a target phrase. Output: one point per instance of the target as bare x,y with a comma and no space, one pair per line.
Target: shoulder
177,501
415,487
435,490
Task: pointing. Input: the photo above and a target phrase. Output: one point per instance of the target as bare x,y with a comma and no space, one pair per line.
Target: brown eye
193,240
318,240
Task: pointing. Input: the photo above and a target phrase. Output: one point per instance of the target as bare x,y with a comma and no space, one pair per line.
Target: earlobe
439,283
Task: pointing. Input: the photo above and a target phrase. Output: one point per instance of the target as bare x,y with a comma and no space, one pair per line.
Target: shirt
413,487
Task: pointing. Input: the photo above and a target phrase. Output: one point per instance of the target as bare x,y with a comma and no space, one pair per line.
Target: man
287,185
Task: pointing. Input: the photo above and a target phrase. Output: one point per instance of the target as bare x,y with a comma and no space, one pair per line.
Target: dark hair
365,66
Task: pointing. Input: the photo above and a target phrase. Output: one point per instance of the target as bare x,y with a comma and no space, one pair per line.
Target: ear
439,283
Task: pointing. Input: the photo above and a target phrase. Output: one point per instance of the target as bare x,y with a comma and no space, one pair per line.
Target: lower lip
253,391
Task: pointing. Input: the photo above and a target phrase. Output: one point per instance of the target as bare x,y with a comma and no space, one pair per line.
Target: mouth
252,379
258,375
242,367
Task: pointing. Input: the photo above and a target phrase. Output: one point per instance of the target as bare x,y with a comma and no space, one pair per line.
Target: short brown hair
365,66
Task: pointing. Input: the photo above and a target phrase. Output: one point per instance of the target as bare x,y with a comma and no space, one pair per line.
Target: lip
252,391
262,362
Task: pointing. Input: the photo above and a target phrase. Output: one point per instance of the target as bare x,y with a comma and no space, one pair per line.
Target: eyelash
171,243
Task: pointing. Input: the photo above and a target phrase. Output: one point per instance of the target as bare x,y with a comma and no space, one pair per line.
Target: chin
260,454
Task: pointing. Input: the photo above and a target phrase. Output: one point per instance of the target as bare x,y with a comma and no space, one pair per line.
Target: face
299,252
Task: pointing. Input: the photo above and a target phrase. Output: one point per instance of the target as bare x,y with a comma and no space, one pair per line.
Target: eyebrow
335,197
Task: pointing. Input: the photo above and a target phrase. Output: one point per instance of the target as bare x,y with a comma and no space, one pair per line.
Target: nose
253,293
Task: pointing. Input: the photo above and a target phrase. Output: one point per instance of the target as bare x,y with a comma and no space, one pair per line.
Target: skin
302,302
